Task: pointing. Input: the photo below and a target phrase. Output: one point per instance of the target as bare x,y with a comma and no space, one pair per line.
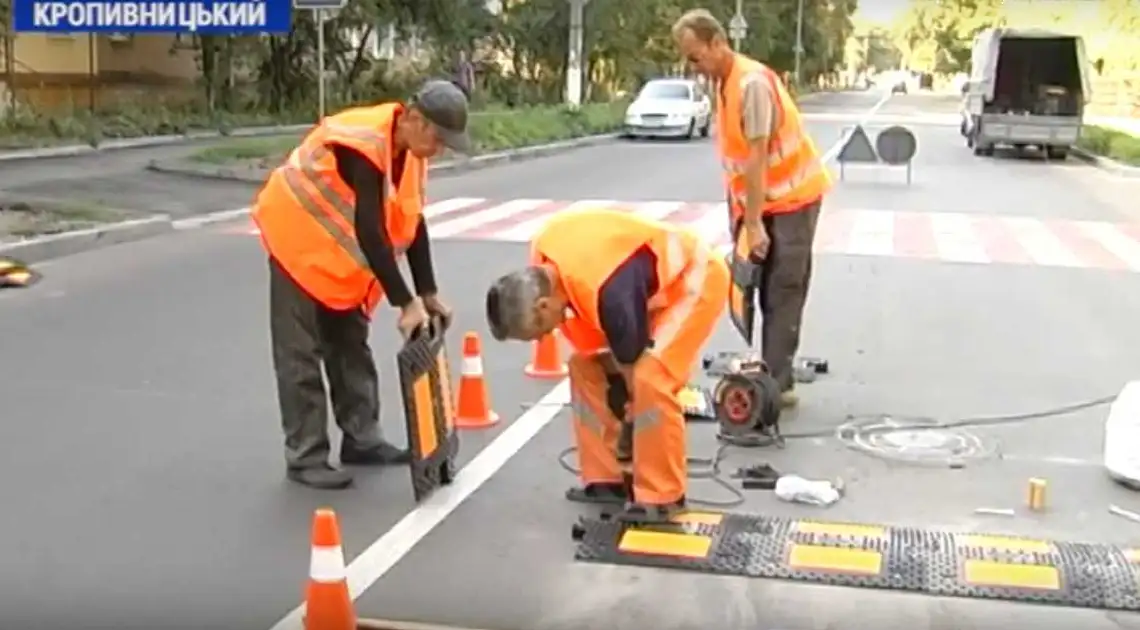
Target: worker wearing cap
775,182
636,299
334,218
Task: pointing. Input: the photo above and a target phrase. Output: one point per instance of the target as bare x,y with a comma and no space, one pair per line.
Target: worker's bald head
521,305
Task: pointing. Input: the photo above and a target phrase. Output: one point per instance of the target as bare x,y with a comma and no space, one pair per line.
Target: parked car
669,108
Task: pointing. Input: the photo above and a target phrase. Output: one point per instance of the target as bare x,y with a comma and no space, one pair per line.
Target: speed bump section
934,562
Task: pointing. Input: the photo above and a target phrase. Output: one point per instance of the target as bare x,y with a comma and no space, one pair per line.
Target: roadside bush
495,127
1110,143
491,130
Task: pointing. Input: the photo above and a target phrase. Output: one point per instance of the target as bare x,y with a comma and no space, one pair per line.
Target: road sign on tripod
893,146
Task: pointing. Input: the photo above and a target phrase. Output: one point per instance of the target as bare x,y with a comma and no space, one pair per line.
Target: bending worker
335,217
637,299
775,180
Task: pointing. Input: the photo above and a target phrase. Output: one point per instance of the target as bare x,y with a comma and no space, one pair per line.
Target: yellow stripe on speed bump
1005,543
1006,575
698,518
665,544
835,559
849,530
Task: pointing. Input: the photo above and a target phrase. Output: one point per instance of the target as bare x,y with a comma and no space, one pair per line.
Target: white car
669,108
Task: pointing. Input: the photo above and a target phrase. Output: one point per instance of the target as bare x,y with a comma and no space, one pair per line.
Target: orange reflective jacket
587,246
306,212
796,176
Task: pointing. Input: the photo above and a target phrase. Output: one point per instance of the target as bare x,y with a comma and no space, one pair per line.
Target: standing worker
775,180
334,218
637,299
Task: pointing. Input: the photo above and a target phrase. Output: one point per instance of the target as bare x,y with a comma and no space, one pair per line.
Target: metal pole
320,64
736,36
574,55
799,40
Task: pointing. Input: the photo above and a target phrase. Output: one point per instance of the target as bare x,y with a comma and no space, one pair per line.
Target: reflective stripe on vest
793,164
311,190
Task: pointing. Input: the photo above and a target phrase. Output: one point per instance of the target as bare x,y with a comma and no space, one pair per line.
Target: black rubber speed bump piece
934,562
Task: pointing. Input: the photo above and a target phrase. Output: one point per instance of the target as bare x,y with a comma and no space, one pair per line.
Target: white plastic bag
795,489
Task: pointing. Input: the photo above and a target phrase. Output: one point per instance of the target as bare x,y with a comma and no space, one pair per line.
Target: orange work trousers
660,471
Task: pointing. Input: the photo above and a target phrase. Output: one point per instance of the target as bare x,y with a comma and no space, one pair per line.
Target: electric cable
849,433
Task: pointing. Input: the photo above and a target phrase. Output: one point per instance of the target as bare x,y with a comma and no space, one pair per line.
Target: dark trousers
785,278
304,335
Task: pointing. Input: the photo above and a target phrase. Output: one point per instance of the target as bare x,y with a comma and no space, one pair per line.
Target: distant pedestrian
776,181
335,218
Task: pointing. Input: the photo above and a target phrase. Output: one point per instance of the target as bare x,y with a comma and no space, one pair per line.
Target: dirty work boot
384,453
789,399
599,494
323,477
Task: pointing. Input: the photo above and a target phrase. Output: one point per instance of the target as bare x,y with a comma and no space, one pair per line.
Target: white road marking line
1116,242
448,206
872,233
386,551
522,232
475,220
383,554
1042,245
956,239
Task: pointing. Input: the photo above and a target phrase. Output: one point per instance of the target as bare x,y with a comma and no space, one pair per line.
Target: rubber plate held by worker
426,386
742,291
930,561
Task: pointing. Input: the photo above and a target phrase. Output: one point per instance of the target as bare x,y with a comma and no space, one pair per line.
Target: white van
1026,88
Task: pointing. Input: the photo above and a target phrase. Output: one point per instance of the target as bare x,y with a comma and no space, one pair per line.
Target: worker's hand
438,308
413,318
758,241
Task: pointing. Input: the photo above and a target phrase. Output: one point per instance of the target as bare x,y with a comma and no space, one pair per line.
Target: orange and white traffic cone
328,605
547,362
473,404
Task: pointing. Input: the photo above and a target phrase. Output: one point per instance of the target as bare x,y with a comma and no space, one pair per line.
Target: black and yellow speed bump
15,274
933,562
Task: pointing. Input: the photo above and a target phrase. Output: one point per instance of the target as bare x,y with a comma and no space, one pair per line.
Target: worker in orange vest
775,182
334,218
636,299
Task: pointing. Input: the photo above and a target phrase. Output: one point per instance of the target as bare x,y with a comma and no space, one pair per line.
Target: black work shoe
637,513
599,493
321,477
383,454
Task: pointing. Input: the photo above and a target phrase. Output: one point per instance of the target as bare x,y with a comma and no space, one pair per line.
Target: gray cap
445,105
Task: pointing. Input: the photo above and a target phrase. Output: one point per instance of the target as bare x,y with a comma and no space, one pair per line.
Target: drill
617,399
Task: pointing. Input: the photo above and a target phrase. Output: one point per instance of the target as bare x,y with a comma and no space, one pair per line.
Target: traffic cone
473,405
547,362
328,606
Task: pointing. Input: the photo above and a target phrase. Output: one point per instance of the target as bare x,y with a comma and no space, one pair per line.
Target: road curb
73,150
185,168
1105,164
41,248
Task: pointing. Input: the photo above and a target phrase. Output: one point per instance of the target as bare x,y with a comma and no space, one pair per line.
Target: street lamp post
738,26
574,54
799,39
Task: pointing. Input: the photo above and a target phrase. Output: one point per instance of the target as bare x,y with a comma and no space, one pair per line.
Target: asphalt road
142,467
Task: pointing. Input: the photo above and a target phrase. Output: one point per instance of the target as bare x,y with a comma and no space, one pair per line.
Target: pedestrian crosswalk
942,236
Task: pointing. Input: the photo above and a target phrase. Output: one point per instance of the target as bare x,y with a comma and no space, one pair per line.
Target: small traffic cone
547,362
473,405
328,606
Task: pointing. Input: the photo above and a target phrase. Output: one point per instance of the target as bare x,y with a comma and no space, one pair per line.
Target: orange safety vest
306,212
796,175
587,246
